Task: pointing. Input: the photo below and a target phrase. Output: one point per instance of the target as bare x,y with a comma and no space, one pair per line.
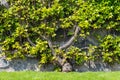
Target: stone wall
33,64
23,65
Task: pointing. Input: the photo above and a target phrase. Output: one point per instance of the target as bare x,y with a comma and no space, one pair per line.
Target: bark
66,66
69,42
60,60
66,45
30,42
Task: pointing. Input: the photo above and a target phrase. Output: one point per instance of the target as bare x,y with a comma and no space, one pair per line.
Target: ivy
28,26
110,49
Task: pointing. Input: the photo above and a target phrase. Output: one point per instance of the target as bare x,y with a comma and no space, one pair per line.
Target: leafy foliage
110,49
26,23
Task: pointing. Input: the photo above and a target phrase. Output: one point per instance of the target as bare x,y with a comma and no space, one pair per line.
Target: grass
30,75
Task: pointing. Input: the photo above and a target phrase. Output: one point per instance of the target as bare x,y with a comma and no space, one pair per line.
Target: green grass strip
30,75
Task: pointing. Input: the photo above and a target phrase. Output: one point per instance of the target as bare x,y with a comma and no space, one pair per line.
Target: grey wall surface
33,64
24,65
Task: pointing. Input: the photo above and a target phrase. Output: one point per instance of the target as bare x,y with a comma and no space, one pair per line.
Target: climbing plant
31,28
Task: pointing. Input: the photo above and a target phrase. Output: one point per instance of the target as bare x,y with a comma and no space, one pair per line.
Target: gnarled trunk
66,66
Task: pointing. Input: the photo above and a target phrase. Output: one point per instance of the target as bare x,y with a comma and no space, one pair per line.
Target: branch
71,40
84,48
60,60
30,42
51,47
49,43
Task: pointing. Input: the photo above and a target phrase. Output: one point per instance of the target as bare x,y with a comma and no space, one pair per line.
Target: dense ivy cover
28,28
